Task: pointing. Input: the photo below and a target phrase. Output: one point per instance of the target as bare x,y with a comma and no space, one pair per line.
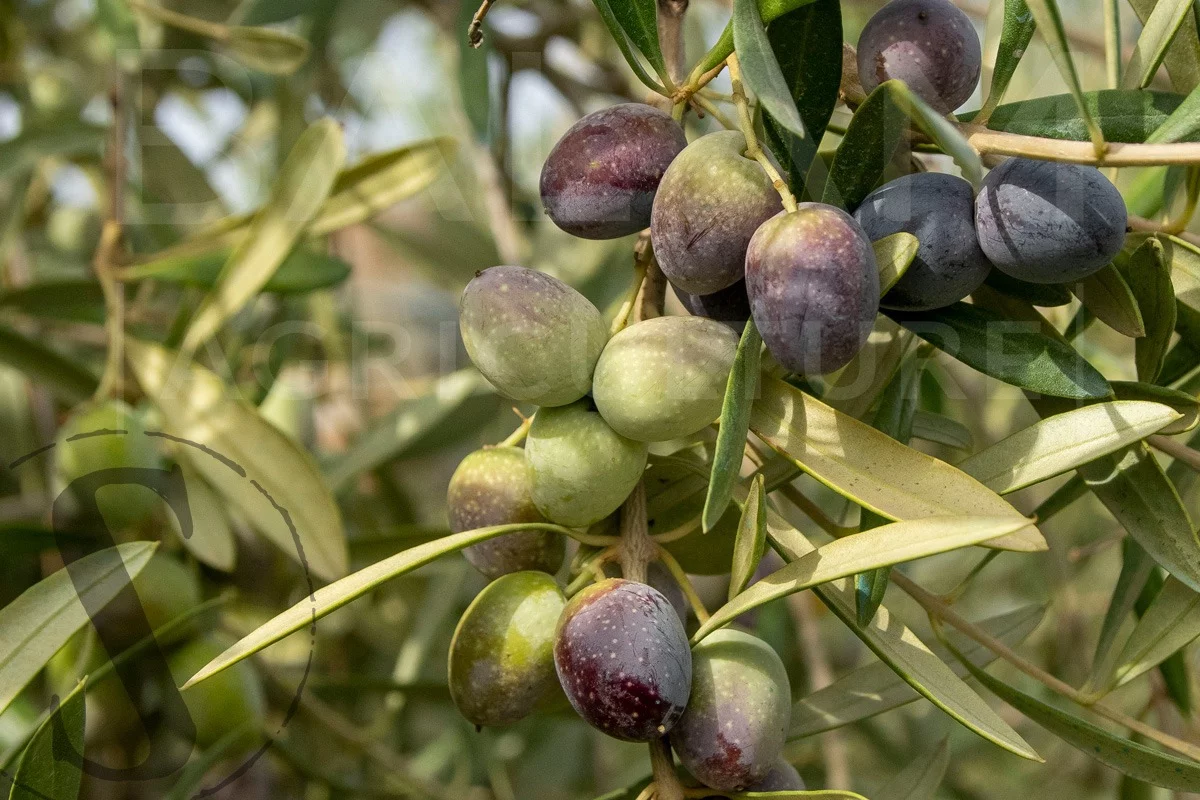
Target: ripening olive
535,338
664,378
582,469
814,287
493,487
737,719
1046,222
730,306
660,578
929,44
599,180
502,654
939,210
710,202
783,777
228,700
623,660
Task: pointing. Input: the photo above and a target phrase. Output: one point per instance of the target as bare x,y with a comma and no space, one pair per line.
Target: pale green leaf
1065,441
854,388
39,622
50,768
942,430
751,538
1015,35
1171,623
330,598
212,541
1157,34
894,254
304,183
1050,24
198,407
861,552
1183,53
920,779
943,133
1149,276
1107,295
1184,403
871,468
761,69
740,390
267,50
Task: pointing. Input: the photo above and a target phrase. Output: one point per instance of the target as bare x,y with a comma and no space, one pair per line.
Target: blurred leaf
751,539
267,12
330,598
920,779
26,538
1184,260
1108,296
65,138
305,181
1015,35
1012,351
1183,54
875,131
1170,623
198,407
50,767
303,270
1046,295
1157,34
854,388
35,625
67,300
873,469
1124,755
616,27
936,127
1149,278
191,778
68,379
740,391
761,69
807,43
895,255
1184,403
876,688
267,50
860,552
1065,441
942,430
212,541
1136,569
448,411
1049,23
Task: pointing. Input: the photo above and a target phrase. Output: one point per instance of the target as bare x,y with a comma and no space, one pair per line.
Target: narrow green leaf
304,270
1182,125
1157,34
1012,351
1108,296
1183,54
751,538
197,406
267,50
942,430
66,300
868,550
873,469
1049,22
876,688
50,768
68,379
808,46
740,391
1045,295
854,388
761,70
191,777
769,10
1149,277
1170,623
617,30
1065,441
305,181
39,622
894,254
1186,405
875,132
921,778
212,541
330,598
1124,755
945,135
639,20
1015,35
1136,569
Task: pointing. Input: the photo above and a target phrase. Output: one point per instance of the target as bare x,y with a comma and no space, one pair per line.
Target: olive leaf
303,270
868,146
1136,569
198,407
1046,295
639,20
761,69
616,25
740,391
1108,296
921,778
305,181
1149,277
875,688
1049,22
873,469
68,379
768,10
936,127
751,538
941,429
49,768
1010,350
1185,404
1124,115
328,599
1182,125
1170,623
868,550
65,300
192,777
1157,34
1015,35
853,389
211,541
267,50
894,254
40,621
1182,59
1065,441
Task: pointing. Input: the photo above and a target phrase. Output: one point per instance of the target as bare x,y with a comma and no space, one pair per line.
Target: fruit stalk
637,548
753,150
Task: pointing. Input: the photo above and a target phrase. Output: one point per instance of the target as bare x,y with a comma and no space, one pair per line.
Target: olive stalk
104,262
676,569
475,29
753,149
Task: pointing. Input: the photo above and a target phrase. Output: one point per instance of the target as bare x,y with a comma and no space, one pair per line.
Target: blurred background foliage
356,368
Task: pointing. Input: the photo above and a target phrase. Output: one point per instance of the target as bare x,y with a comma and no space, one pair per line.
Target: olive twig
666,782
677,533
1143,225
685,583
746,123
104,262
518,436
711,109
695,82
1176,450
625,311
475,29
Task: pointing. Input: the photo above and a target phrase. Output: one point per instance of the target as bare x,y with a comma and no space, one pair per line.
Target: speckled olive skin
783,777
623,660
814,287
729,306
740,708
535,338
664,378
660,578
709,204
502,655
599,180
582,469
494,487
929,44
939,210
1044,222
225,701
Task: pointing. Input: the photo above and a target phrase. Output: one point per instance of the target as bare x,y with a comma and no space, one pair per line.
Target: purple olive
730,306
